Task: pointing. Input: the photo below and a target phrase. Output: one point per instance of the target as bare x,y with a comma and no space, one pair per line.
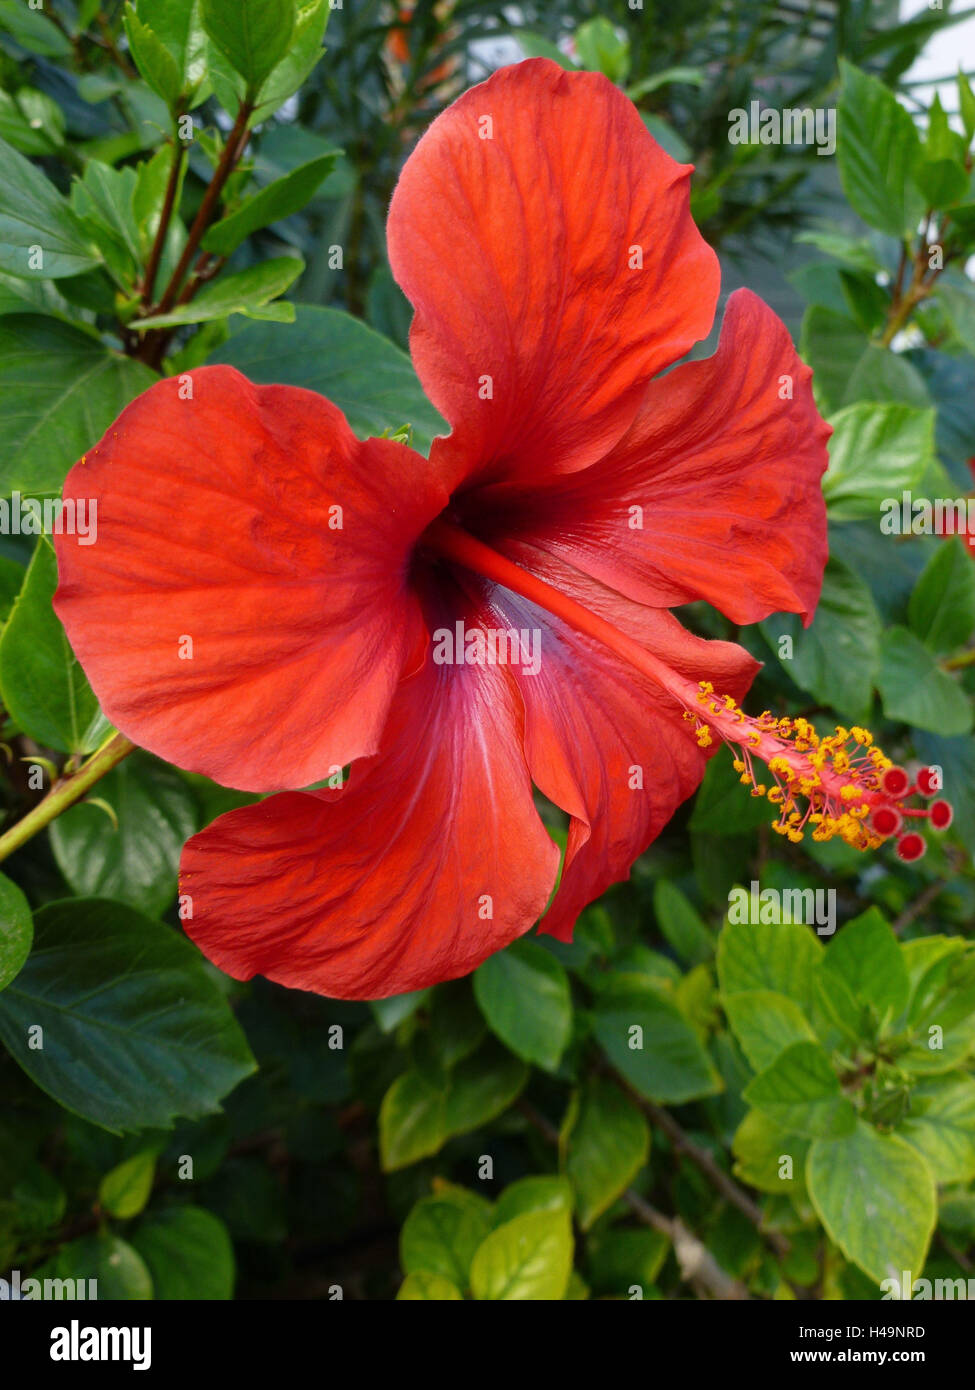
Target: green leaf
652,1044
39,1200
768,956
524,994
16,930
33,29
252,34
867,957
765,1024
766,1155
877,146
125,1190
607,1143
958,297
942,606
539,1193
837,657
915,690
429,1288
241,293
411,1121
620,1259
276,201
848,367
136,863
41,683
178,25
153,59
723,806
40,237
941,1126
527,1259
481,1087
135,1031
876,451
876,1197
60,390
941,1015
188,1252
537,46
112,1264
370,380
440,1236
681,924
801,1093
966,104
602,49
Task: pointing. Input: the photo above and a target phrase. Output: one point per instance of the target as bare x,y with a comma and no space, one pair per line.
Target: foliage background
343,1146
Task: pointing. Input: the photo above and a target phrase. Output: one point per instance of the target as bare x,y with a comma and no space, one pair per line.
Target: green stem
66,792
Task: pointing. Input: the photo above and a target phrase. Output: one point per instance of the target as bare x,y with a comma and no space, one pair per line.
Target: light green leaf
876,451
153,59
134,1029
440,1236
876,1197
429,1288
527,1259
538,1193
523,992
411,1121
914,688
867,957
769,1157
276,201
801,1093
125,1190
244,291
941,1126
16,931
770,956
253,35
877,146
765,1024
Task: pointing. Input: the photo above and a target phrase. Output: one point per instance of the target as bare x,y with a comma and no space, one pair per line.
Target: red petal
592,720
213,523
383,887
515,252
724,475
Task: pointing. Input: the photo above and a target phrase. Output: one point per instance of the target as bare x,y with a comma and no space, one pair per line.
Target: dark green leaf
524,994
135,1031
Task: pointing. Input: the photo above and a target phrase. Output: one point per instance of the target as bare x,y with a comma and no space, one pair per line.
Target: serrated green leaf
273,203
876,1197
801,1093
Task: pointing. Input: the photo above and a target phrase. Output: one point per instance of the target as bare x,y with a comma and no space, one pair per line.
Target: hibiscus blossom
271,600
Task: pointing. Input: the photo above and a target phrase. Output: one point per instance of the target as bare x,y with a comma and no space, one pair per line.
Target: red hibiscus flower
271,599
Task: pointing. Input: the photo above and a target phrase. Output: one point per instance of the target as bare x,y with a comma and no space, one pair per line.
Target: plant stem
232,151
66,792
165,216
